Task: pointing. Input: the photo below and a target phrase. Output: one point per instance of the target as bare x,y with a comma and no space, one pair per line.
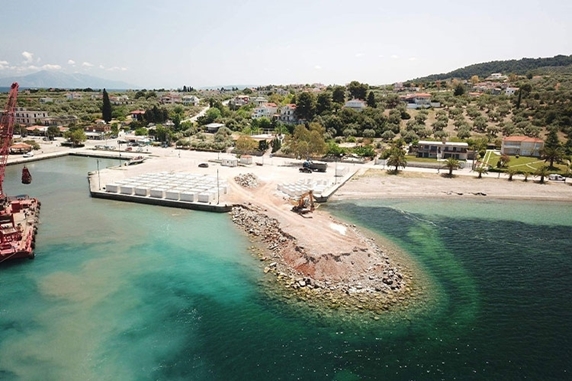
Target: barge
19,217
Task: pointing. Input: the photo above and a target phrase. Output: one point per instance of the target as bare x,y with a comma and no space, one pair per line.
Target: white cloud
395,56
360,55
71,62
117,68
87,64
318,67
3,65
28,56
101,66
412,58
51,67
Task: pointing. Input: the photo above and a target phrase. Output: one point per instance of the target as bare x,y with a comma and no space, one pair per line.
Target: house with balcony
259,101
419,100
287,114
119,99
29,117
190,100
238,101
170,98
265,110
442,150
522,145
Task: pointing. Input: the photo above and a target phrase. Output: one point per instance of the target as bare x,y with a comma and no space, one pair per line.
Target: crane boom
7,132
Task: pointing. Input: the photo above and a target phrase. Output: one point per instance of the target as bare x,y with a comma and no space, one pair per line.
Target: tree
323,103
245,144
106,108
451,164
396,157
358,90
339,95
542,171
511,172
552,150
371,102
76,136
482,170
306,106
459,90
306,142
52,131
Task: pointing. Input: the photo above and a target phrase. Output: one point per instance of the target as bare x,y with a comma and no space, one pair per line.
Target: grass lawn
524,163
413,158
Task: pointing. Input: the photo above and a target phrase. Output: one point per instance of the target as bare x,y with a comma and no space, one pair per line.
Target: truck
315,166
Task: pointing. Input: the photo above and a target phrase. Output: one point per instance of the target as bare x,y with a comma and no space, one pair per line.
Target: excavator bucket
26,176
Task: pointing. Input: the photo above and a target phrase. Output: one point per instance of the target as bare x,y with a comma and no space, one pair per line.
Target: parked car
203,165
555,177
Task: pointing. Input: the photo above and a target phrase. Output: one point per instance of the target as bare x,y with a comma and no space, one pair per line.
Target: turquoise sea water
124,291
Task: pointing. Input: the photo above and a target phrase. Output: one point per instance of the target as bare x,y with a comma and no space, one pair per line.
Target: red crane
6,134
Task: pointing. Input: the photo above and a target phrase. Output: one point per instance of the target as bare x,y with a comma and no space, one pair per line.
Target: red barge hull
19,218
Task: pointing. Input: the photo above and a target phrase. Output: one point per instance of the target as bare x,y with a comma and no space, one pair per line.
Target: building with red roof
522,145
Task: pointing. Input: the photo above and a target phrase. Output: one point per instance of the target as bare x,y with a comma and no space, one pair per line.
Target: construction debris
247,180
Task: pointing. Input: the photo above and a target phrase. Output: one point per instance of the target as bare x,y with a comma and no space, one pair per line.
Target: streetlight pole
98,177
217,188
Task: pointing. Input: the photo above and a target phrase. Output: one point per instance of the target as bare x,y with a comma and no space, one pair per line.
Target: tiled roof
518,138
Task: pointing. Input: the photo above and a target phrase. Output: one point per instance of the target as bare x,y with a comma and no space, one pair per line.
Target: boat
18,226
136,160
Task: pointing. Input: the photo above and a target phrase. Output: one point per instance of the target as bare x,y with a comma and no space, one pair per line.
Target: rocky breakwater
363,278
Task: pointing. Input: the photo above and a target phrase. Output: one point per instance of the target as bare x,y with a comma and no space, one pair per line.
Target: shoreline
387,285
317,258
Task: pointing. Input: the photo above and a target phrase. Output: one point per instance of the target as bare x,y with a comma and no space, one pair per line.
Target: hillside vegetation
518,67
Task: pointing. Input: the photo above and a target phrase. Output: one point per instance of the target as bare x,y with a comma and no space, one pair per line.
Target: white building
510,90
258,101
190,100
419,100
287,114
25,117
355,104
442,150
265,110
521,145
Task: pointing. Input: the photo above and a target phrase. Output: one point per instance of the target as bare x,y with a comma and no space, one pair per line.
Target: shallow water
135,292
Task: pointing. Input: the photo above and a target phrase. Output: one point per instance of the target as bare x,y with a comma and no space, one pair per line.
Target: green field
522,163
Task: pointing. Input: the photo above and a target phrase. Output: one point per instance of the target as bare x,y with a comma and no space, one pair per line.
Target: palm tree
396,158
511,172
552,154
482,169
451,164
542,172
525,174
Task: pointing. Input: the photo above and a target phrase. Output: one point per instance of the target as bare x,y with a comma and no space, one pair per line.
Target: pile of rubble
247,180
375,289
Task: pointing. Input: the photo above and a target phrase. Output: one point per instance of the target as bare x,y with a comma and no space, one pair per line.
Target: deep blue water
134,292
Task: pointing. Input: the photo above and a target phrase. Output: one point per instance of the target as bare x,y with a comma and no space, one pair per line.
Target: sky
200,43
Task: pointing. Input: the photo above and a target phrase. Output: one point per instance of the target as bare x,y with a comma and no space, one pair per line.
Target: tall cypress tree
106,109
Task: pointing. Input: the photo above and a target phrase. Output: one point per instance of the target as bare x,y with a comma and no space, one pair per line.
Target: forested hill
520,67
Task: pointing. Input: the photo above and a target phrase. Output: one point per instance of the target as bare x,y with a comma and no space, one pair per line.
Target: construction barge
18,227
18,215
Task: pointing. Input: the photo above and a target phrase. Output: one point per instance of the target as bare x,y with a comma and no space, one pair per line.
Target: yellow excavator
305,203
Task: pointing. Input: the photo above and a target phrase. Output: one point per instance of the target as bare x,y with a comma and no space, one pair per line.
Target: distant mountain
519,67
53,79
